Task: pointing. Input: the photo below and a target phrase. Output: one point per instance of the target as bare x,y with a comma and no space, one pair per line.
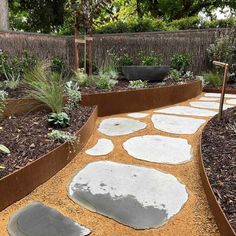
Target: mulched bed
219,156
231,88
122,85
26,136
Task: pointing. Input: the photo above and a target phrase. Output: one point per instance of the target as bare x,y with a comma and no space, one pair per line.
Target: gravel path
194,219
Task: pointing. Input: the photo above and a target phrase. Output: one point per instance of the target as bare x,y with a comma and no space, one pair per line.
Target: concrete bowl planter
149,73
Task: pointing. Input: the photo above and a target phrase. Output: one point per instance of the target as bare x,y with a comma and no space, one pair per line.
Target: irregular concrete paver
186,111
209,105
231,101
176,124
219,94
38,220
137,115
120,126
209,99
135,196
159,149
103,147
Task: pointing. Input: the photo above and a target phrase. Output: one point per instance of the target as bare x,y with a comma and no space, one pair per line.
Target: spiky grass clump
46,86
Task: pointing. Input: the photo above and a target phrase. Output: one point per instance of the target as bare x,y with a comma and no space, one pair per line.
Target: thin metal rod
223,90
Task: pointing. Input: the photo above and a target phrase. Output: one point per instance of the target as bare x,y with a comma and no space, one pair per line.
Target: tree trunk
4,17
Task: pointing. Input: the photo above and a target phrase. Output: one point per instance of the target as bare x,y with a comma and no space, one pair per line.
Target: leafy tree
176,9
38,15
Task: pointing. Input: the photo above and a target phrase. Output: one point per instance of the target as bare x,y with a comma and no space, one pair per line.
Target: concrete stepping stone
209,105
38,220
159,149
137,115
176,124
186,111
209,99
120,126
219,95
103,147
231,101
139,197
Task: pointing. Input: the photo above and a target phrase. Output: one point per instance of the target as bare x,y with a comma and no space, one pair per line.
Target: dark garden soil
122,85
26,136
219,156
231,88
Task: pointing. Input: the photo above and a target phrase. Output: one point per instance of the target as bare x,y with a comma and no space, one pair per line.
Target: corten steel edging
110,103
23,181
219,215
218,90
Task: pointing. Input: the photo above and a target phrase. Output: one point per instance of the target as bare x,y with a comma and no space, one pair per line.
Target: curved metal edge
23,181
219,215
110,103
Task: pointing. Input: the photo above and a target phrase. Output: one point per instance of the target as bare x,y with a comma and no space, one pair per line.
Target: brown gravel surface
219,156
29,131
195,219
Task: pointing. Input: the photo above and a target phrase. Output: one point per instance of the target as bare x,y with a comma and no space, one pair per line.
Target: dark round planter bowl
149,73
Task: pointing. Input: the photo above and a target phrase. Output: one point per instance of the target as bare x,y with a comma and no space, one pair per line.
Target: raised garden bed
34,158
219,169
124,99
121,101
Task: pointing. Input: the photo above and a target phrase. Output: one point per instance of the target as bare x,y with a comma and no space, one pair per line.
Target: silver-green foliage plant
61,136
213,78
82,78
104,81
223,49
73,95
46,86
58,120
3,97
176,75
136,84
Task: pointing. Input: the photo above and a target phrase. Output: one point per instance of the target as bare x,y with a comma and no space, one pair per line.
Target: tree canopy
56,16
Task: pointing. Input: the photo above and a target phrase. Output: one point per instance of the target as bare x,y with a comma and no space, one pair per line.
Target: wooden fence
194,42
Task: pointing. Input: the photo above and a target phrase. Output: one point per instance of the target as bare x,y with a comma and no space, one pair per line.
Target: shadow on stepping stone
38,220
139,197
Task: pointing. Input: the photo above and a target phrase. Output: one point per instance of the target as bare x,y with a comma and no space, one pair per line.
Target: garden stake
225,65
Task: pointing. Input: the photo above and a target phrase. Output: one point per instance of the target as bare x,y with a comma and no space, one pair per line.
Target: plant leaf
4,149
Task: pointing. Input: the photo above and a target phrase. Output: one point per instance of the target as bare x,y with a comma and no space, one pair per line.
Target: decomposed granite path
137,179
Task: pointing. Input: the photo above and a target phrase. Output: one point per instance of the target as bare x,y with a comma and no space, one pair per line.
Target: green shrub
125,60
82,78
223,49
151,59
58,120
181,62
136,84
45,86
186,23
58,65
61,136
73,95
213,78
176,75
104,81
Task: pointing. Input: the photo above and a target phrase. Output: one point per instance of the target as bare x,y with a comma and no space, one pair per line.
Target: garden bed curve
20,183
